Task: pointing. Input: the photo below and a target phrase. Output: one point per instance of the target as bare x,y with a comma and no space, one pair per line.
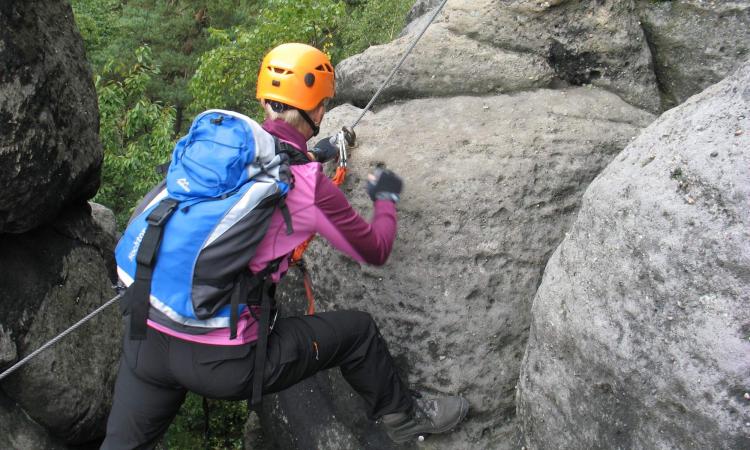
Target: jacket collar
286,133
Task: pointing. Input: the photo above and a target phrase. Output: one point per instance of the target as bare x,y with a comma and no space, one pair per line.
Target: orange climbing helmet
297,75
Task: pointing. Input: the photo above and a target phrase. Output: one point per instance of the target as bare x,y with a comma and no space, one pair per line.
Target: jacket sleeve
347,231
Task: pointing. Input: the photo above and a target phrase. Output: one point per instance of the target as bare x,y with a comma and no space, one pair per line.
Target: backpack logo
136,244
183,182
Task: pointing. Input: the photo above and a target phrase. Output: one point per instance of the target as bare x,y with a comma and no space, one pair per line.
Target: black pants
156,373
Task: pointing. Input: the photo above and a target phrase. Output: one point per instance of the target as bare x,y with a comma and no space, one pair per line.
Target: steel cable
400,63
54,340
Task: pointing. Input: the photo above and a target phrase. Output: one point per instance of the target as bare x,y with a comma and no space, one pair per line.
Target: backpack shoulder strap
139,292
296,157
290,156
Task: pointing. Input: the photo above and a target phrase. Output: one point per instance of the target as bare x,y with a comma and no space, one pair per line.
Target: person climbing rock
175,355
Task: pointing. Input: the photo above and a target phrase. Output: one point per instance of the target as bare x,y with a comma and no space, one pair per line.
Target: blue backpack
185,253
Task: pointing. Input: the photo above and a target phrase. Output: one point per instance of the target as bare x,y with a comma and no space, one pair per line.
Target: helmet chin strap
315,129
281,107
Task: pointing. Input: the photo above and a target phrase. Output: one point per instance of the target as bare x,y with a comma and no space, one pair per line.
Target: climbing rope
296,259
54,340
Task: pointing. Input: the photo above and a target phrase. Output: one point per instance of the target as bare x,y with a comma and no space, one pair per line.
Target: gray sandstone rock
50,154
105,220
491,185
419,15
52,277
420,8
695,43
18,431
8,352
444,63
301,419
487,46
601,43
640,327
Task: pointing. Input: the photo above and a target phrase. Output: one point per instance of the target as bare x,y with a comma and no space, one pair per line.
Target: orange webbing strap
339,177
299,251
308,292
296,259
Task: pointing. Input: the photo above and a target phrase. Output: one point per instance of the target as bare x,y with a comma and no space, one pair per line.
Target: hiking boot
428,417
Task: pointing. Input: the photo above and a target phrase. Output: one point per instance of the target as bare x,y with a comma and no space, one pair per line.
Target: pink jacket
316,206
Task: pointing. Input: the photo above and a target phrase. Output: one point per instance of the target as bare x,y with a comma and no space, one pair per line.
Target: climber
294,84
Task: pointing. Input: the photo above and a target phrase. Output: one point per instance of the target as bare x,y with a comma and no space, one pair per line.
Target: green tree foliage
136,133
227,74
207,424
209,52
175,30
96,20
370,23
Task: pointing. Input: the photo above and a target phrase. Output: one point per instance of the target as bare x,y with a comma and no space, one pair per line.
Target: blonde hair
290,116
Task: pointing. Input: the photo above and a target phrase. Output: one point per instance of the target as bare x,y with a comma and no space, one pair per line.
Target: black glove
386,186
326,149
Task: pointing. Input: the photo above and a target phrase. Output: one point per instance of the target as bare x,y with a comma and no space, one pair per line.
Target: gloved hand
326,149
384,185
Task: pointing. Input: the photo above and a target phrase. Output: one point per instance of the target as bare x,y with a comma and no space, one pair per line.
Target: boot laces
425,409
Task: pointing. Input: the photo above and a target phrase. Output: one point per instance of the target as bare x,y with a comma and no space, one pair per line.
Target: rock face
50,153
420,8
52,277
446,63
492,183
17,431
484,46
649,342
695,43
58,264
638,49
640,327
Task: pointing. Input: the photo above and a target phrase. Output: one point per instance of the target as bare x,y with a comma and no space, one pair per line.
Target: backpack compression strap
139,293
261,349
264,278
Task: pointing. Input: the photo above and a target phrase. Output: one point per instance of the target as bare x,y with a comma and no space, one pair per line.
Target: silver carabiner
341,141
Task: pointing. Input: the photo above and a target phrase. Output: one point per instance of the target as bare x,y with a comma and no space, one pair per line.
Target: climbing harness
344,137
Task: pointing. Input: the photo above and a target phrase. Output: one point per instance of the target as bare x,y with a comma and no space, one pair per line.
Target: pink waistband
247,331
